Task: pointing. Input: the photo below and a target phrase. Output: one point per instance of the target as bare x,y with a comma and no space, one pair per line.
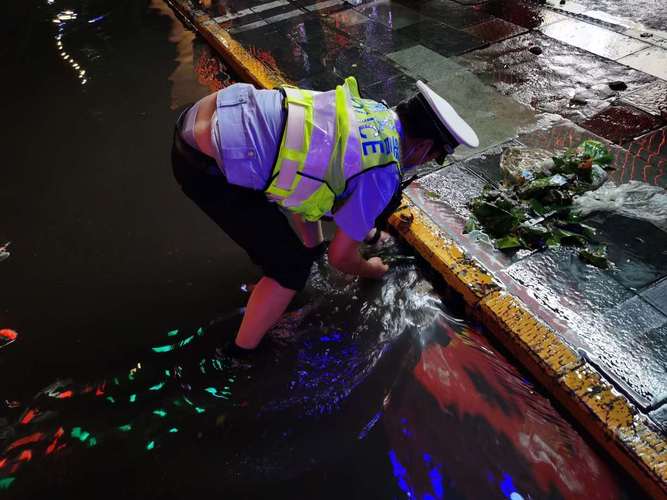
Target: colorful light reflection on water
455,417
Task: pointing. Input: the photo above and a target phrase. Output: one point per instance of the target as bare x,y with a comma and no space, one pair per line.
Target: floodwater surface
122,295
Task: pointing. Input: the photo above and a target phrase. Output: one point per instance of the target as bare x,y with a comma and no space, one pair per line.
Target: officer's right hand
377,267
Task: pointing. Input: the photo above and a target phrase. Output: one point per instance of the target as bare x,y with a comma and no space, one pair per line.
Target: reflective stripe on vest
329,137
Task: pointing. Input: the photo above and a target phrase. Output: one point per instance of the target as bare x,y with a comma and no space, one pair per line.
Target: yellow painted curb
606,414
245,64
463,275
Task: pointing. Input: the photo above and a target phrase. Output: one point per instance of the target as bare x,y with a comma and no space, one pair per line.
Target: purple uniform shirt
250,125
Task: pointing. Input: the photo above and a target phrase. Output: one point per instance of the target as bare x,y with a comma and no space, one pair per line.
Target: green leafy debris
538,214
596,257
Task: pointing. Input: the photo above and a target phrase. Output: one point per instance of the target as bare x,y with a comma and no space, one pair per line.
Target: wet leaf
595,256
537,207
471,225
569,238
508,243
596,151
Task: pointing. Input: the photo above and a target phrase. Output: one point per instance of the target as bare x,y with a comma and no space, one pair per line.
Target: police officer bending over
242,154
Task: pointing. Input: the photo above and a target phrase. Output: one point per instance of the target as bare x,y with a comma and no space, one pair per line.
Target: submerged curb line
605,413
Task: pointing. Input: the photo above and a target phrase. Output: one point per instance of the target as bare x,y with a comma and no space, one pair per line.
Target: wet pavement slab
652,60
656,294
651,98
594,39
547,74
650,14
621,124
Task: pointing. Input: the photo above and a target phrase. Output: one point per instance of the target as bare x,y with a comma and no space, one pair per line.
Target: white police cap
448,117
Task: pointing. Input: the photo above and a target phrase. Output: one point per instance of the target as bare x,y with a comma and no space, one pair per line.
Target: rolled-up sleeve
365,198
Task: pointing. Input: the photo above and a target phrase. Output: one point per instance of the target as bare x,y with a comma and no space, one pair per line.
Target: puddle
384,368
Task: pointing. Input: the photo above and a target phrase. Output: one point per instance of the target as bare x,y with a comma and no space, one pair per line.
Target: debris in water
618,85
4,253
533,210
581,98
7,336
535,50
634,199
596,257
520,165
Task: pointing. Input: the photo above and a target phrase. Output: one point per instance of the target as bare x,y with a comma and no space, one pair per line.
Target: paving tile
577,292
440,38
391,14
494,117
452,188
547,81
423,63
346,18
629,344
595,39
652,98
303,28
659,417
237,18
569,6
324,7
652,148
620,332
392,91
656,294
223,8
295,61
495,30
367,66
651,14
451,13
277,10
637,248
377,36
530,15
652,61
621,124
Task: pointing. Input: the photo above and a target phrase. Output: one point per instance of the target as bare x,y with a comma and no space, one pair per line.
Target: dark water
122,293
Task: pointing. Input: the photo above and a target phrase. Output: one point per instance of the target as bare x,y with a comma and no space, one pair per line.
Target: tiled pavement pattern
544,75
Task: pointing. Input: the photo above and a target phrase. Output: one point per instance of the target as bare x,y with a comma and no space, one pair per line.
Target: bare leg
266,305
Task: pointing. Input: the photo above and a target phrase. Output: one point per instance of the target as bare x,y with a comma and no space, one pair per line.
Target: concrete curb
606,414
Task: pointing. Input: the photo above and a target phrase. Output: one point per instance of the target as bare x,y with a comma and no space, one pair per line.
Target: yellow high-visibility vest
329,138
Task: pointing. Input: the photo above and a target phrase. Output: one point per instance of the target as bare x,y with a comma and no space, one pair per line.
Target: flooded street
122,293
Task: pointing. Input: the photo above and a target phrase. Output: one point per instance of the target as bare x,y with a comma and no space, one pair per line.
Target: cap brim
448,117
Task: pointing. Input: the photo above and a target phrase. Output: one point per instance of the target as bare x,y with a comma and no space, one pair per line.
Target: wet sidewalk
543,75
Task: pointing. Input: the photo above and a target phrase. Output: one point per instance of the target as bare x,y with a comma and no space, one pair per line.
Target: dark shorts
246,215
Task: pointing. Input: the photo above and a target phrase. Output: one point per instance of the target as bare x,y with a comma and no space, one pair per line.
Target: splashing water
357,360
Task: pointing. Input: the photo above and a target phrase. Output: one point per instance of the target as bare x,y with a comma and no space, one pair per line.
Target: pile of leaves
538,214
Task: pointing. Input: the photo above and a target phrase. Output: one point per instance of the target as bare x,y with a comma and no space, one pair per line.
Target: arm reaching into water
344,255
